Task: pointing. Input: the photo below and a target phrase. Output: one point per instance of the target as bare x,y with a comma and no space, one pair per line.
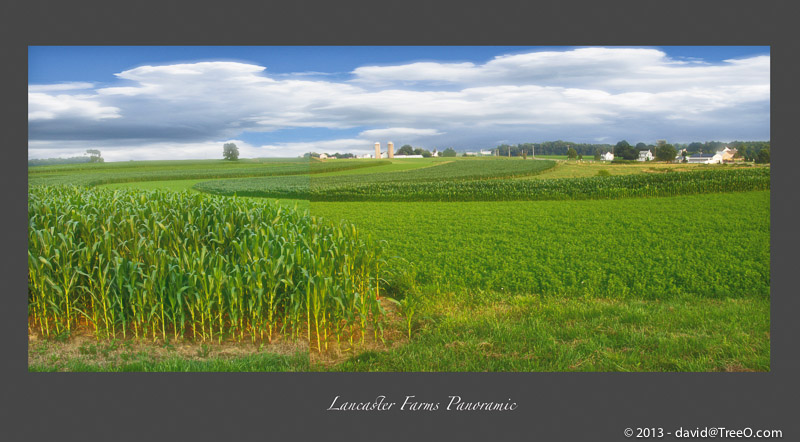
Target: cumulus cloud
43,106
611,69
580,94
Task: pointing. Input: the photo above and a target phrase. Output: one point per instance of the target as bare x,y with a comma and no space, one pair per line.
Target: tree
625,151
763,156
449,152
230,151
424,152
94,156
597,156
666,152
572,153
580,157
406,150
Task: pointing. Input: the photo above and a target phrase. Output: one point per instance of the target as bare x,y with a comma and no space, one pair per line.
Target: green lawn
533,333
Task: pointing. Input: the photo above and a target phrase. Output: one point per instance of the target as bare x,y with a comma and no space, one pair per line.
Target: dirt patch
82,346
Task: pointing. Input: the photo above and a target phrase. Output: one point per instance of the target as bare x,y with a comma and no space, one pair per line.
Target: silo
377,150
390,148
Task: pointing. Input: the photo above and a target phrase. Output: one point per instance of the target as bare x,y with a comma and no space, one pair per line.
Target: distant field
381,187
106,173
445,171
552,157
585,169
392,165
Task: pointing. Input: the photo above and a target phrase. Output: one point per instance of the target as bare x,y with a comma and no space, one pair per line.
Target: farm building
705,158
645,155
484,152
728,155
608,156
408,156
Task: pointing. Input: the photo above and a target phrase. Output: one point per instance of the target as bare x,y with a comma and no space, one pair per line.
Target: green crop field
383,187
627,248
188,264
105,173
436,264
299,186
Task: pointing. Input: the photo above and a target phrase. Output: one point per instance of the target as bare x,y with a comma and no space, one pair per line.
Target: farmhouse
608,156
645,155
485,152
728,155
705,158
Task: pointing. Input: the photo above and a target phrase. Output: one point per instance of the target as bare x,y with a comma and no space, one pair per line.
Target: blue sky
185,102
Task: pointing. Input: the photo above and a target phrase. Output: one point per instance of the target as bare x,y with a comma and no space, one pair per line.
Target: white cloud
70,86
408,133
42,106
588,93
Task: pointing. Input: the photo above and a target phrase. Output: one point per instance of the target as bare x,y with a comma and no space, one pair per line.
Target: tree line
91,156
749,150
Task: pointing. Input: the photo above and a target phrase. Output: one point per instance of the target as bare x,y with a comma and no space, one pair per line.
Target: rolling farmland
490,263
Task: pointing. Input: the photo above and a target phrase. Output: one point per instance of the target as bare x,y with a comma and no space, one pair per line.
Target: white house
408,156
705,158
486,152
645,155
323,156
608,156
435,153
470,154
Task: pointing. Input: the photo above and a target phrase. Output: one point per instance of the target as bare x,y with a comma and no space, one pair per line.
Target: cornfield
152,265
612,187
